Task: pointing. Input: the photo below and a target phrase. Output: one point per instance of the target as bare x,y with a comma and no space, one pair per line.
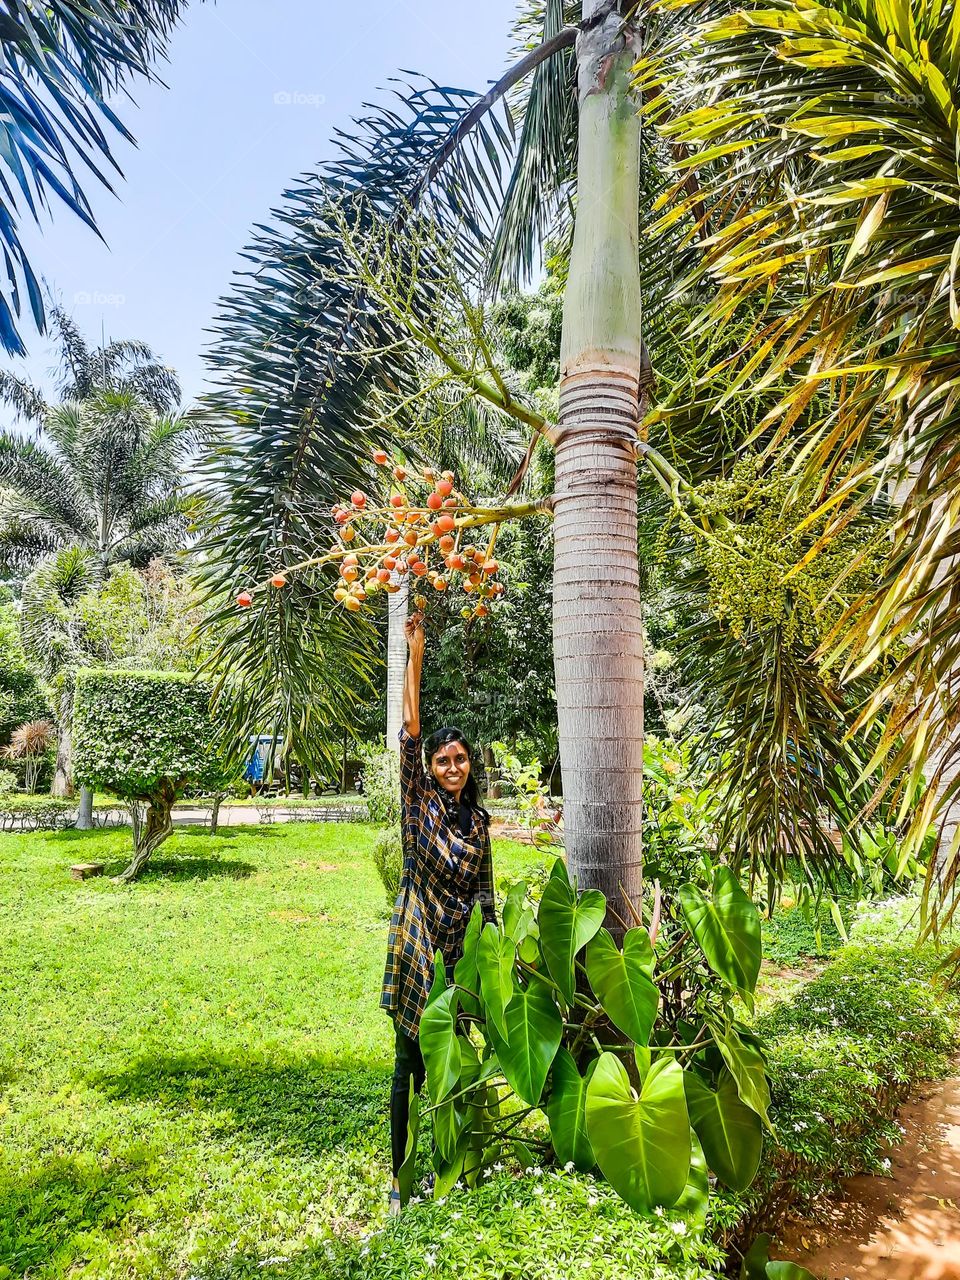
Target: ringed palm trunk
397,605
597,625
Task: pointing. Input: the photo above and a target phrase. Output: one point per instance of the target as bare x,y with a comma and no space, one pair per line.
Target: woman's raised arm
413,629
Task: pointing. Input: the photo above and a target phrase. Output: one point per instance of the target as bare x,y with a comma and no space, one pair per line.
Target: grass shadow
46,1213
308,1105
186,867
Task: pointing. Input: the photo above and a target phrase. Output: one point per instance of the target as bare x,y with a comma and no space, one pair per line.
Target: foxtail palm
835,218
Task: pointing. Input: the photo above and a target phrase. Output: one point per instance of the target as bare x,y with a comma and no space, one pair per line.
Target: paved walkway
902,1227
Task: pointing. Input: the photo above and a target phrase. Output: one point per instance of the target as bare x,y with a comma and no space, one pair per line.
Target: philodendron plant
631,1052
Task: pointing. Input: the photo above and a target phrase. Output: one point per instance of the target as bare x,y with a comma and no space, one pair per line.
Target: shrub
388,860
35,813
145,735
8,782
842,1054
381,785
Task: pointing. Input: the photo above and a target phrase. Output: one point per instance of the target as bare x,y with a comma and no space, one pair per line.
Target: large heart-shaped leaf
496,955
726,927
465,972
517,918
696,1194
745,1063
533,1032
566,1111
452,1117
642,1144
438,1036
407,1170
567,923
621,982
730,1131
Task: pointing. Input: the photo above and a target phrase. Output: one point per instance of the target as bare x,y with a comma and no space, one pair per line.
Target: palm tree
312,339
63,60
106,477
839,132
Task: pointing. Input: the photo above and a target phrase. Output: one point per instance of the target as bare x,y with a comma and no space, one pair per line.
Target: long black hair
470,795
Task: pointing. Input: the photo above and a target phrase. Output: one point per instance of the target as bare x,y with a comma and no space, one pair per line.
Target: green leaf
514,912
696,1194
622,983
567,923
465,972
566,1112
745,1063
757,1265
730,1131
495,960
438,1036
405,1173
726,928
533,1031
642,1144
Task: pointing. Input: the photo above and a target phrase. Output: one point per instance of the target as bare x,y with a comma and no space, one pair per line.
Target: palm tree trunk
85,810
597,624
397,606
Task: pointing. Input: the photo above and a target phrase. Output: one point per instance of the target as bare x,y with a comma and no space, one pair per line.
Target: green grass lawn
194,1067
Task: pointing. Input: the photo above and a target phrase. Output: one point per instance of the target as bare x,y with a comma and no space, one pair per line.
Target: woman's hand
416,638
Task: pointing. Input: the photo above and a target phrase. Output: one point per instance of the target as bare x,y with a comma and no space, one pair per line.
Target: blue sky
255,92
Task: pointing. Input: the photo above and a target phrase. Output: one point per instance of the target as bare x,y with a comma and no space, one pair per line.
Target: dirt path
902,1227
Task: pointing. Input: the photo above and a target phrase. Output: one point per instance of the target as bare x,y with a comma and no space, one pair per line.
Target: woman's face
450,766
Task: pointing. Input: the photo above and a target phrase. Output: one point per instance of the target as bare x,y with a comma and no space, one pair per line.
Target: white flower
592,1200
569,1167
456,1214
658,1210
430,1259
678,1228
538,1191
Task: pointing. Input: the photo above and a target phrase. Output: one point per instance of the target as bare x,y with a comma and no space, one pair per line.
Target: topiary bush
145,736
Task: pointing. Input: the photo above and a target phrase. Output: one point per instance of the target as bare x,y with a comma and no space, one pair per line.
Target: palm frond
22,396
62,61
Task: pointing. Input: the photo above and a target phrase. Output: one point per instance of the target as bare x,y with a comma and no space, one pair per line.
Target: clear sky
254,93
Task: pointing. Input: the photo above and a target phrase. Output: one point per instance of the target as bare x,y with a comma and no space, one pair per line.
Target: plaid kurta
444,875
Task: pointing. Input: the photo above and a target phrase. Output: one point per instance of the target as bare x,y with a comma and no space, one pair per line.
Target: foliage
854,332
78,56
381,784
8,783
21,698
388,860
680,1071
135,730
532,795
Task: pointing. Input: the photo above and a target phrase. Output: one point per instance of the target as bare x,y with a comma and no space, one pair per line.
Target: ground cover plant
193,1077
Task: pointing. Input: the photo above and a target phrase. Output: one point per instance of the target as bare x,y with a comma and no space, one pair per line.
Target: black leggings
409,1062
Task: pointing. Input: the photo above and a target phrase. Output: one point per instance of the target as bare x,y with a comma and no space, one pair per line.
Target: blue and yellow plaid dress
445,873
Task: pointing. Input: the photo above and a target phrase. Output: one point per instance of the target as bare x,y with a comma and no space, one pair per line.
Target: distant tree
146,736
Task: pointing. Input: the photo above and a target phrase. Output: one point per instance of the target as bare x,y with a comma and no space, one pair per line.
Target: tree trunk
85,810
397,607
62,784
156,827
215,814
597,628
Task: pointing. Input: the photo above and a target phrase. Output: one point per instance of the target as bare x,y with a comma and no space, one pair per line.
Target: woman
447,870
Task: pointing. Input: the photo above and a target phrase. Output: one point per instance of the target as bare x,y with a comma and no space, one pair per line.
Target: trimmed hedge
134,728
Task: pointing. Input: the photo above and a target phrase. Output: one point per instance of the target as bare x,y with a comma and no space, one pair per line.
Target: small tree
146,736
29,744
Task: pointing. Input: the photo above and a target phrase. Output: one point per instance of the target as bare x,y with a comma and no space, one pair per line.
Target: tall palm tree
62,61
306,348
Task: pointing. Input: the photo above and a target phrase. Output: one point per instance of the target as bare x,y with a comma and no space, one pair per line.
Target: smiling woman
447,871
